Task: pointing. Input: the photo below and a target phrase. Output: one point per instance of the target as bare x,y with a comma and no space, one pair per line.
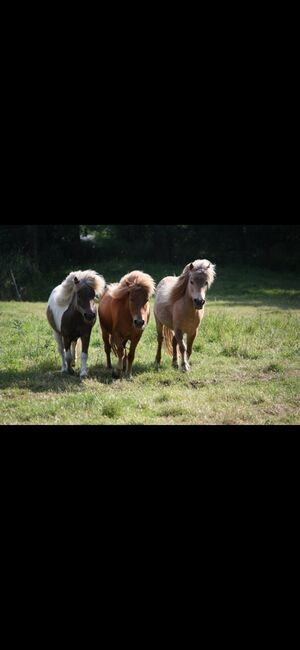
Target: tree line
266,245
42,246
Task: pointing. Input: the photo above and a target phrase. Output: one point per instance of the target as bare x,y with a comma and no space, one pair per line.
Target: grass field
245,365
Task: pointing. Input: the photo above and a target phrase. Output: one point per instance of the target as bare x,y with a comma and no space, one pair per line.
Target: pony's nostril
139,322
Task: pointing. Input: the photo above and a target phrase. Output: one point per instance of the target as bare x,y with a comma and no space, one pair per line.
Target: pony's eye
192,281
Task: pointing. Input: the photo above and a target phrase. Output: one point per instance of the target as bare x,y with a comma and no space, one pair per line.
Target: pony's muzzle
199,303
139,323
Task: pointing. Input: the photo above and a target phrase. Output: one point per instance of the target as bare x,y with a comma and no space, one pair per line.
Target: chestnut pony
72,314
124,313
179,309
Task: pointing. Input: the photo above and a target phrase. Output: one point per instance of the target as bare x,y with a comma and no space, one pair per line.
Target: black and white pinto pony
72,314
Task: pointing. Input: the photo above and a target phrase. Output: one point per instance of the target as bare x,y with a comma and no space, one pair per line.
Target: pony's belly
163,314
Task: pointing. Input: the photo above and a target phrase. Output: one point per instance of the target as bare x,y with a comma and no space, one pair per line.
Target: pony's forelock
66,290
131,281
206,268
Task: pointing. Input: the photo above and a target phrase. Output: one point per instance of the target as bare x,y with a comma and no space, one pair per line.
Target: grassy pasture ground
245,365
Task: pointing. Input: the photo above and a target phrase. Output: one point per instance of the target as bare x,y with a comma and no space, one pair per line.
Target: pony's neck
73,300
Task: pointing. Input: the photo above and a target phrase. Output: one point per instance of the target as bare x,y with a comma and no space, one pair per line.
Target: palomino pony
179,309
124,313
72,314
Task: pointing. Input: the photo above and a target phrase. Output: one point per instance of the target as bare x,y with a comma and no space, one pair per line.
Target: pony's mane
131,281
203,267
67,288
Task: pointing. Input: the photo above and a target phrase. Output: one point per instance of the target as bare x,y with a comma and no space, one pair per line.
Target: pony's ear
127,282
191,266
76,281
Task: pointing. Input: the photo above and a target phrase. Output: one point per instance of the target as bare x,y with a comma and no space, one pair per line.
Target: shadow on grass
45,379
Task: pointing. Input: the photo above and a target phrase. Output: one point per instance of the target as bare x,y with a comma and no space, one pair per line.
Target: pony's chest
122,323
188,320
72,324
192,323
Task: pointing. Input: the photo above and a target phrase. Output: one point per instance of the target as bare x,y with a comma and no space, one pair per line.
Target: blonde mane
131,281
65,291
203,267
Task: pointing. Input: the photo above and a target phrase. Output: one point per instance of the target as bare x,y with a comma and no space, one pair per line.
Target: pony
179,309
72,314
124,313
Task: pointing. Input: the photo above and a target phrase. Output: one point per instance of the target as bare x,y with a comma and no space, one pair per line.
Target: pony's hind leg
160,340
190,341
69,357
61,350
175,355
125,362
73,353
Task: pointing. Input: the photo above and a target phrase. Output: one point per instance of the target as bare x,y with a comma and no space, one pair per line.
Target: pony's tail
168,339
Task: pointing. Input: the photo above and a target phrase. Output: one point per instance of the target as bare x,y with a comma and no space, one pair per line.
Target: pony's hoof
84,374
116,374
185,367
175,364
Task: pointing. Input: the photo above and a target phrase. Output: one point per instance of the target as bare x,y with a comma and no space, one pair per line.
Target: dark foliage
33,252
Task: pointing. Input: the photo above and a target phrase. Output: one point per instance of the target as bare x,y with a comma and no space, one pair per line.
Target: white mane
65,291
202,266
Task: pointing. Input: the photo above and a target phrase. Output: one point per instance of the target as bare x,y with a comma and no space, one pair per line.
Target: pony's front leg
131,357
182,347
190,341
69,356
85,340
107,348
119,370
119,345
160,339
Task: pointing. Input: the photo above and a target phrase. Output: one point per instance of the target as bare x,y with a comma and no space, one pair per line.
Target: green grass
245,365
